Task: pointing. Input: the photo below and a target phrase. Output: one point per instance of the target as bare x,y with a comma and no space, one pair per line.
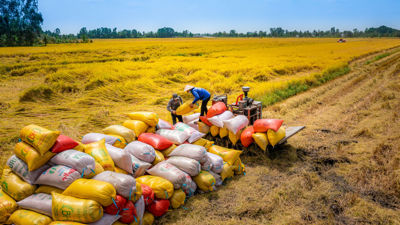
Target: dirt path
344,168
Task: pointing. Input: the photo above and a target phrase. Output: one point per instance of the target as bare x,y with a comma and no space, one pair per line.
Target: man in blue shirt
199,94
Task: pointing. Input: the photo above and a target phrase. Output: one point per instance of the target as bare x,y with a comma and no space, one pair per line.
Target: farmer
173,104
199,94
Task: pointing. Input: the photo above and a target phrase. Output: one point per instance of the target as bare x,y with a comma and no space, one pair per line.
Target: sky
209,16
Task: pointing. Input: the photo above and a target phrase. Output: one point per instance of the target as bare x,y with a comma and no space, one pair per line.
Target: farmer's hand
173,112
191,105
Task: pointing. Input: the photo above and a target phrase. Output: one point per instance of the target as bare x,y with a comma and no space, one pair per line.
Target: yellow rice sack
150,118
99,152
151,130
67,208
137,126
126,133
30,156
275,137
136,195
80,147
227,171
162,188
7,206
120,142
178,199
14,186
228,155
27,217
148,218
238,167
205,181
159,157
261,140
223,132
65,223
203,128
119,170
234,138
214,130
99,191
40,138
168,151
97,170
185,108
48,189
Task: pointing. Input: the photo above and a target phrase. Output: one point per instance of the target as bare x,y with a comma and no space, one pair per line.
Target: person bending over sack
173,104
199,94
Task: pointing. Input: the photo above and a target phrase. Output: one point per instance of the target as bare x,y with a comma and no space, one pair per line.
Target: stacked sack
127,174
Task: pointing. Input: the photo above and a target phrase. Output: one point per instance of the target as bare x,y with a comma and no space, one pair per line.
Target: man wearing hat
199,94
173,104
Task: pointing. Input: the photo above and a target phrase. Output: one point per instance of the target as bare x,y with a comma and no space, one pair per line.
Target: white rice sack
162,124
193,124
189,186
82,162
140,208
185,128
169,172
124,184
207,164
141,151
195,152
195,136
58,176
218,120
121,158
218,179
139,167
236,123
188,165
39,202
217,162
190,118
107,219
93,137
175,136
19,167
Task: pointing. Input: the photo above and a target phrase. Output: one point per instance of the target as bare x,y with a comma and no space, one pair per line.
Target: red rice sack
262,125
247,136
216,109
159,207
157,141
63,143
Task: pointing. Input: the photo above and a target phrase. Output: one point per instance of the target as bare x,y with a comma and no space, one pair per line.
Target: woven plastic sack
185,108
162,124
159,207
137,126
169,172
189,118
151,130
188,165
136,196
147,194
205,181
118,204
121,158
227,171
63,143
162,188
168,151
177,199
216,109
107,219
194,134
189,186
82,162
148,219
125,185
27,217
99,152
223,132
99,191
97,169
246,137
261,140
275,137
150,118
15,186
7,206
119,170
120,143
80,147
58,176
128,213
139,167
205,120
236,123
20,168
216,161
207,164
217,177
95,137
175,136
214,130
48,189
219,119
263,125
203,128
30,156
156,141
228,155
40,203
234,138
140,208
68,208
65,223
40,138
126,133
159,158
238,167
195,152
193,124
141,151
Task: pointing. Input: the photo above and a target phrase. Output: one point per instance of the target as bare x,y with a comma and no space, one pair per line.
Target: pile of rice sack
222,124
125,174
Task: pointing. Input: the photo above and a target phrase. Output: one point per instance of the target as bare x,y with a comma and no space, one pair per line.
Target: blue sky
200,16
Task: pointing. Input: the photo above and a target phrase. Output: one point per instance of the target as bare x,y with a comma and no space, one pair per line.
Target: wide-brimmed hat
188,87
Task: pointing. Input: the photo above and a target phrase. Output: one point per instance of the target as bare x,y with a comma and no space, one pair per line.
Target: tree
165,32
